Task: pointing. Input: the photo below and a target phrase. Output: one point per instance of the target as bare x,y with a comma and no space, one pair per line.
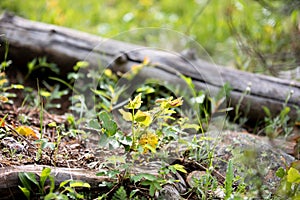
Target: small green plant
155,183
204,186
65,190
229,180
120,194
40,64
290,182
5,95
203,106
280,124
52,93
197,103
237,117
4,83
142,136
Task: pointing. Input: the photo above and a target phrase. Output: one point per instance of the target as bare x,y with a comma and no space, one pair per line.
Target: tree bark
29,39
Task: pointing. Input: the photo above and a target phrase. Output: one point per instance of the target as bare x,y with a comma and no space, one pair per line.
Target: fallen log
28,39
9,178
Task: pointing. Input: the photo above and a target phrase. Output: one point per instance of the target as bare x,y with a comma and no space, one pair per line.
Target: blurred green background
259,36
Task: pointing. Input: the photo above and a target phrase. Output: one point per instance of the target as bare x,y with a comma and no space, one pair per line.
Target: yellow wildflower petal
27,132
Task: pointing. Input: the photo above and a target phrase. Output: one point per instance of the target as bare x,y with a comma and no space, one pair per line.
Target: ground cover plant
151,129
153,125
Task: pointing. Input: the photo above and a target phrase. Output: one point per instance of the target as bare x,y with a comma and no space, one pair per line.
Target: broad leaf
94,124
44,175
109,125
293,175
31,176
139,177
143,118
25,182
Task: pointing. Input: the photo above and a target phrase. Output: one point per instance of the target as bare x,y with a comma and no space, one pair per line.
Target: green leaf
45,93
52,183
188,81
94,124
152,149
132,193
104,140
139,177
52,124
65,182
51,196
152,190
24,180
284,112
44,175
120,194
31,176
154,185
267,111
143,118
190,126
293,175
79,184
80,64
25,191
180,168
229,180
280,172
31,65
17,86
109,125
146,89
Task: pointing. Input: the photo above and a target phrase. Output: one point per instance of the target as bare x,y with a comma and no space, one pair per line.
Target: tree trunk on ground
9,180
28,39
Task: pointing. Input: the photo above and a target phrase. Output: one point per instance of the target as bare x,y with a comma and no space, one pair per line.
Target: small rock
194,175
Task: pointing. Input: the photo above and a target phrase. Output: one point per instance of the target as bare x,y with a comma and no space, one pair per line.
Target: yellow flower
148,141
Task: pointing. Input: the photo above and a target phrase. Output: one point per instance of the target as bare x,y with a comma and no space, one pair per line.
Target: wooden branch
64,46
